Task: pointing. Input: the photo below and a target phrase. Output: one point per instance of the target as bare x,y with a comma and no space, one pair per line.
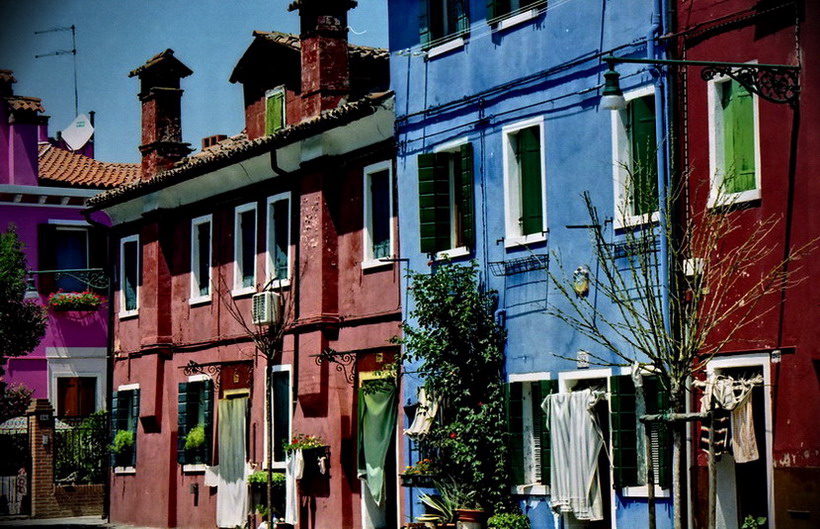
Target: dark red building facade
773,149
300,205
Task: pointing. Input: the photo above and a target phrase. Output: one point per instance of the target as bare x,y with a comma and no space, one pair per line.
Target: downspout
109,361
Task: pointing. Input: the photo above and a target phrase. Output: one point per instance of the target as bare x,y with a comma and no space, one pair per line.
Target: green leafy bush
261,476
508,520
195,437
123,441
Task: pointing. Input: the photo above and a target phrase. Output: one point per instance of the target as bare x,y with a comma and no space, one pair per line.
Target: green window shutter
493,9
424,23
206,402
134,420
182,422
466,207
515,416
115,423
644,162
624,431
540,391
281,413
738,138
434,202
528,142
657,401
274,107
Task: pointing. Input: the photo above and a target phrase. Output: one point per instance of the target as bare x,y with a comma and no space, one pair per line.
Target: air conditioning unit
266,308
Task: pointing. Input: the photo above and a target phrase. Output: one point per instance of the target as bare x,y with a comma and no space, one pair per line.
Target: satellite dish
78,133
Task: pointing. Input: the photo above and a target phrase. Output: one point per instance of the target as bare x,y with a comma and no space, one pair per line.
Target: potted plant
454,503
315,452
258,482
64,301
122,446
419,475
194,443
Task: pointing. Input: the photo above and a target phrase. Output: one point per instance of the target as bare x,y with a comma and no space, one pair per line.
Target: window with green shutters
625,429
643,162
733,144
195,411
125,412
635,161
446,202
524,182
529,439
274,110
502,8
442,19
738,137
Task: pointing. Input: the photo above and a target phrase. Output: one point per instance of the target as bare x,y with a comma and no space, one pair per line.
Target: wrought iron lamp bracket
777,83
213,371
774,84
343,361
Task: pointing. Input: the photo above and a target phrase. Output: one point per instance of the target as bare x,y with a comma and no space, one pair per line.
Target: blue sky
116,36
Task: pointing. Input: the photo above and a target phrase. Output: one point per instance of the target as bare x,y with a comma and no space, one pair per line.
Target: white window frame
532,488
368,261
270,93
622,161
238,265
454,251
123,312
195,296
128,469
762,360
270,235
280,369
512,186
716,153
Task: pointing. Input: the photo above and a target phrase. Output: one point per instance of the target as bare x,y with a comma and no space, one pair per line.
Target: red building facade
772,148
301,206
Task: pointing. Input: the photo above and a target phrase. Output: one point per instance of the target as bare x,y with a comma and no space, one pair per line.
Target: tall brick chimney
161,97
325,72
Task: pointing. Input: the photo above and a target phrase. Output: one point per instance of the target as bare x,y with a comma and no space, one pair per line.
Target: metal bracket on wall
92,277
214,369
343,361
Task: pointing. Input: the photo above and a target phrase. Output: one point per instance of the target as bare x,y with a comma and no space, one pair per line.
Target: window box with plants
65,301
258,482
315,452
421,474
122,449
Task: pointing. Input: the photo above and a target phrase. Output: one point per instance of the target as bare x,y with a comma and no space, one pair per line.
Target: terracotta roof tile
25,104
240,147
58,166
165,58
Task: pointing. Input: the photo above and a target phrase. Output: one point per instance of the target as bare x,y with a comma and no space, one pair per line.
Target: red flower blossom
453,435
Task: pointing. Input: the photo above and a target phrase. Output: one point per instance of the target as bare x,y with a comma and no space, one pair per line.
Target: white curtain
576,443
295,467
232,494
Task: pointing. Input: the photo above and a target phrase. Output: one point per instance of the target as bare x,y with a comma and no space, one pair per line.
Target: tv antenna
72,51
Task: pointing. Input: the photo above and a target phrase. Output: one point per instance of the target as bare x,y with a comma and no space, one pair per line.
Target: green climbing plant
455,345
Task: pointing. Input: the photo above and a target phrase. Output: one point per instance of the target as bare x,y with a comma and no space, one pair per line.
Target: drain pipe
109,362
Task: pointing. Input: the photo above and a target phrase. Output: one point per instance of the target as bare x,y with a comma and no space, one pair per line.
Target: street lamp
612,97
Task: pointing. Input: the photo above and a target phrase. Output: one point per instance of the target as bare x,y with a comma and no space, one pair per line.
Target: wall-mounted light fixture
777,83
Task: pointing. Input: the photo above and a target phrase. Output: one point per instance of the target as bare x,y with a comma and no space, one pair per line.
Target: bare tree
267,342
720,277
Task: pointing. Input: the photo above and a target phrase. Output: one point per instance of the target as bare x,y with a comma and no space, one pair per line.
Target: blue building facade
500,131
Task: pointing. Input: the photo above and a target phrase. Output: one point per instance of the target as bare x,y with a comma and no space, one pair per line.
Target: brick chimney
161,97
323,35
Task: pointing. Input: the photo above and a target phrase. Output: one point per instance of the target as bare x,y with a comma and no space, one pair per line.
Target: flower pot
75,307
470,518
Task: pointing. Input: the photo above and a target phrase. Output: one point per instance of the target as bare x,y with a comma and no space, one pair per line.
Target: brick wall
49,500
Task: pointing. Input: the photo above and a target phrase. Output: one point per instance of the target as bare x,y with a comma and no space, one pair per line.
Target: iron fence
80,451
